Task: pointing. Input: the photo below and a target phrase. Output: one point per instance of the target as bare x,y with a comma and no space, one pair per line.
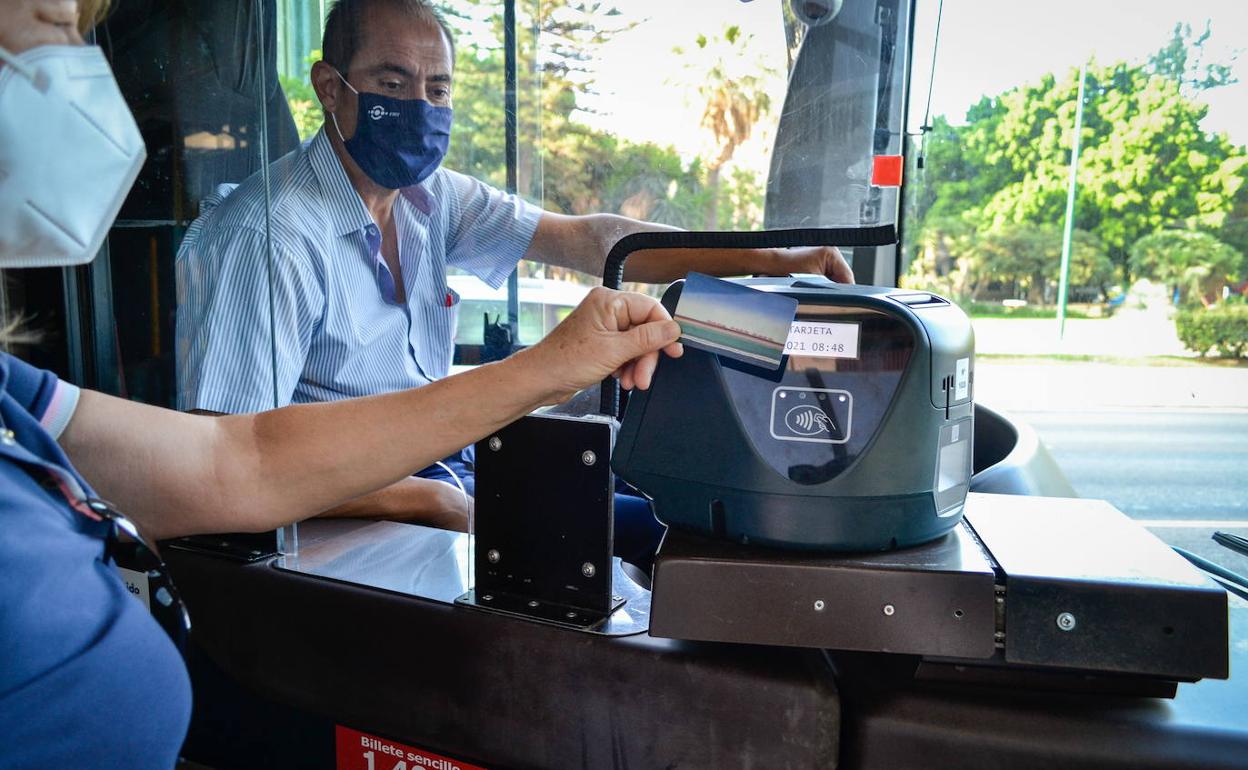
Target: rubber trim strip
613,269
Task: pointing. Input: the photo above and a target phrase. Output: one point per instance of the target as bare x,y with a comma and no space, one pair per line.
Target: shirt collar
346,211
418,197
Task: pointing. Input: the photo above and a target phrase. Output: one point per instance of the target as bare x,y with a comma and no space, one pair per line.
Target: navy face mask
397,142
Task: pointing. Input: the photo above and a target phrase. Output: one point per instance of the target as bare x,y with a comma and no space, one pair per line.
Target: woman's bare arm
179,474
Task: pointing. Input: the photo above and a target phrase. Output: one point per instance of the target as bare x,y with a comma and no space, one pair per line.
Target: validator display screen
822,339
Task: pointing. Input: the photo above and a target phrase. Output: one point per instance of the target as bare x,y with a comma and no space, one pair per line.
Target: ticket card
732,320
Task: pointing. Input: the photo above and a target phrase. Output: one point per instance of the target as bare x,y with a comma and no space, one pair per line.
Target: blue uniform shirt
87,677
339,331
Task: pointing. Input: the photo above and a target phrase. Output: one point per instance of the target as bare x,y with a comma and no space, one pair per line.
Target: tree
1182,59
1145,166
946,262
567,165
1195,264
735,88
741,200
305,107
1020,259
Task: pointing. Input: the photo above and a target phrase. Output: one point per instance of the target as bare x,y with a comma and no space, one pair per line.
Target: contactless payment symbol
819,415
808,421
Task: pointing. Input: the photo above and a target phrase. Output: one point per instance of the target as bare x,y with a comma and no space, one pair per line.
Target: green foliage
1222,329
1182,60
733,87
997,310
740,201
1145,164
1195,263
304,106
563,163
1019,260
477,139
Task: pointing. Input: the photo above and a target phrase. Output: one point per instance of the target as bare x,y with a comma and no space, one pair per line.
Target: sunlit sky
986,47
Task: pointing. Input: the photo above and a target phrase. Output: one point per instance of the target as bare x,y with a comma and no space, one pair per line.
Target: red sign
886,171
361,751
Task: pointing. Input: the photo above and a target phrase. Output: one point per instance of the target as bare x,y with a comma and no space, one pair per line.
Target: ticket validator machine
861,441
826,505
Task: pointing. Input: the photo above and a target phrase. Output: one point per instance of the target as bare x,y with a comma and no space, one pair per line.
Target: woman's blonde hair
13,328
13,331
91,13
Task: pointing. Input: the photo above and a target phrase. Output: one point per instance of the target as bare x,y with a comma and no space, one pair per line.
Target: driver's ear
327,84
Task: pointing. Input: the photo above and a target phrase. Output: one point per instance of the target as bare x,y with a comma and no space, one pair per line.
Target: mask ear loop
38,78
333,116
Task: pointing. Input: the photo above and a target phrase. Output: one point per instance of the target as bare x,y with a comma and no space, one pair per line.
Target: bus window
1084,198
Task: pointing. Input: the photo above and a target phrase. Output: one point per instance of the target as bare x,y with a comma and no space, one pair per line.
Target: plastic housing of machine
861,441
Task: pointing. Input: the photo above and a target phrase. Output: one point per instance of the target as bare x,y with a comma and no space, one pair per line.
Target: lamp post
1064,278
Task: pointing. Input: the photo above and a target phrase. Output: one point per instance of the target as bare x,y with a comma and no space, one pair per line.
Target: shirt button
6,437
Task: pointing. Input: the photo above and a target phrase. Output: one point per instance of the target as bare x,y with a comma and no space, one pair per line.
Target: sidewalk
1073,386
1130,374
1130,333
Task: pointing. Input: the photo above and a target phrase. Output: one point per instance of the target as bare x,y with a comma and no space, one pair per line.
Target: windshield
1079,185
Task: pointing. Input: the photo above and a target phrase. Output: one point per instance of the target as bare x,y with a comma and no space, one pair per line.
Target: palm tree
734,87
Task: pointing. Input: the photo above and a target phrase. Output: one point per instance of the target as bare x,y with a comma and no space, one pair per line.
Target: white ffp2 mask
69,152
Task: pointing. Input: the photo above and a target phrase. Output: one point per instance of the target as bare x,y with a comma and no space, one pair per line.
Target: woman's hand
31,23
610,332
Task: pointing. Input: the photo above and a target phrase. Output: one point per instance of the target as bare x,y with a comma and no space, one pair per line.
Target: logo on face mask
378,112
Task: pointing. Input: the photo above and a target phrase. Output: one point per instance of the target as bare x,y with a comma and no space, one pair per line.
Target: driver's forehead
391,35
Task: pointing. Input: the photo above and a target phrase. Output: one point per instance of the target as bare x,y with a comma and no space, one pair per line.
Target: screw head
487,598
588,570
534,603
1066,621
588,457
570,615
819,605
889,610
496,443
493,555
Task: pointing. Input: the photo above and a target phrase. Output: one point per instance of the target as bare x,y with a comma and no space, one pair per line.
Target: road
1183,472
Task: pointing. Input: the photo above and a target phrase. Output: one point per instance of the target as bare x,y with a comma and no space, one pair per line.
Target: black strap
613,270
